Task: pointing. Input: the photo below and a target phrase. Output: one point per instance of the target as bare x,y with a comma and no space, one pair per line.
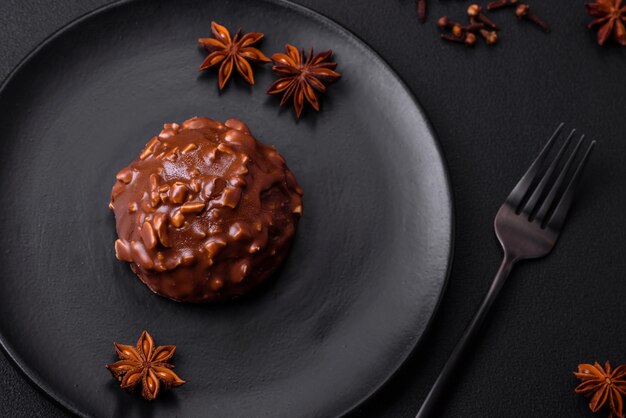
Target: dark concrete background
492,109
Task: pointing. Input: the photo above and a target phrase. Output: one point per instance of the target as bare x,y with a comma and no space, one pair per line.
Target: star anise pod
235,52
302,77
611,15
147,364
603,384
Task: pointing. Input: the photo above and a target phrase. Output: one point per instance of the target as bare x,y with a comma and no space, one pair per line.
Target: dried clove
475,23
444,22
498,4
474,11
491,36
456,28
468,39
523,12
421,10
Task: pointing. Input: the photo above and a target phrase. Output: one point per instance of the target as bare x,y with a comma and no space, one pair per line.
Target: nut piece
239,271
238,137
239,231
198,123
178,219
214,187
122,251
169,130
172,126
195,184
238,125
148,236
149,149
160,225
178,192
154,182
125,176
155,199
213,247
188,259
225,149
192,207
230,198
188,148
172,155
140,255
238,182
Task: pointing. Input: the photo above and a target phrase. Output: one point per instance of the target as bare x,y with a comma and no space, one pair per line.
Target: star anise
302,77
611,15
147,364
603,384
231,53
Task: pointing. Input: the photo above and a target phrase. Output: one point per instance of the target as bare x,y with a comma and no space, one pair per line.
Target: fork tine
561,210
521,188
550,199
531,204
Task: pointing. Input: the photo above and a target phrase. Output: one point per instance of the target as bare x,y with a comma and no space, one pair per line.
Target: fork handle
429,405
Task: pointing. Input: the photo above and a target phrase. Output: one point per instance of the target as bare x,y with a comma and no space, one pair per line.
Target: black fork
527,225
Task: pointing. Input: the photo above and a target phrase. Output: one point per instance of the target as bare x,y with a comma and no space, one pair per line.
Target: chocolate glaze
206,212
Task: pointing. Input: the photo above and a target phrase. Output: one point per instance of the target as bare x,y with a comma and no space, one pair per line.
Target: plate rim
49,393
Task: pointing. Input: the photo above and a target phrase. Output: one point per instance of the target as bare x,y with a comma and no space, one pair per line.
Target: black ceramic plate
366,270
